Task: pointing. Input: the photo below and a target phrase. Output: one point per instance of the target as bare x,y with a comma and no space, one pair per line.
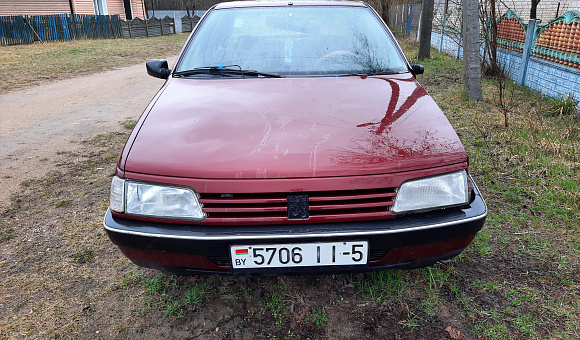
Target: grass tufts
564,105
84,256
6,235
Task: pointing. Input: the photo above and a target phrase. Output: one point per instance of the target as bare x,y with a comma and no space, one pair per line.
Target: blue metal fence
554,72
22,30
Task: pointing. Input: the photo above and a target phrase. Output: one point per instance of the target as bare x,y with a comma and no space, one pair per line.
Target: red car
292,137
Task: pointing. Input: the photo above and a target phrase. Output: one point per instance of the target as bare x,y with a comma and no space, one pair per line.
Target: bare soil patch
41,124
23,66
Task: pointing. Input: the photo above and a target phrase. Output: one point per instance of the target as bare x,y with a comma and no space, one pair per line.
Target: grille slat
265,209
252,220
241,200
357,197
351,206
272,208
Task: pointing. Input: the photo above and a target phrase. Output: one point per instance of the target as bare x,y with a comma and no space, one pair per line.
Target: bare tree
492,68
488,20
385,11
426,28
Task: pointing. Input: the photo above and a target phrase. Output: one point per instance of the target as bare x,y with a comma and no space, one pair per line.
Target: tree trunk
385,11
534,9
495,69
426,28
471,51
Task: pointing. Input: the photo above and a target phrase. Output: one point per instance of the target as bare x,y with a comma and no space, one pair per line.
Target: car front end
319,162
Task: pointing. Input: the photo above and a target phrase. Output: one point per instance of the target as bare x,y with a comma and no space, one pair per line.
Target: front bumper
411,241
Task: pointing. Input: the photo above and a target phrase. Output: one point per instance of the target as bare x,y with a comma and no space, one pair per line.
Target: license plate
299,254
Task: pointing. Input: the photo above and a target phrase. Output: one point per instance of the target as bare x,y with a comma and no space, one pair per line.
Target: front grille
272,208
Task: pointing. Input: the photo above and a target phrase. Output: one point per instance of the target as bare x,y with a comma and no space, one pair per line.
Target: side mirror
417,69
158,68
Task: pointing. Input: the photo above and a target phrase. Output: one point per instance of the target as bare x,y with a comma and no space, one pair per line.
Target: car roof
270,3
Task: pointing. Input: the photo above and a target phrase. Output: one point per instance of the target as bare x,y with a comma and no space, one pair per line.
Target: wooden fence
189,23
21,30
138,28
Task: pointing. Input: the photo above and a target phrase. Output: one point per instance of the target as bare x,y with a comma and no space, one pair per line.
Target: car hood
291,128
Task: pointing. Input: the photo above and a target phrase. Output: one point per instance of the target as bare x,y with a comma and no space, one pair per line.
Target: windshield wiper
225,71
371,73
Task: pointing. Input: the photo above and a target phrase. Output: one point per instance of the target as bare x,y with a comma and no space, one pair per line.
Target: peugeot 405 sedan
291,138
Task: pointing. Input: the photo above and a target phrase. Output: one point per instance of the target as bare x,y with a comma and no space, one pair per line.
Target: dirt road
41,125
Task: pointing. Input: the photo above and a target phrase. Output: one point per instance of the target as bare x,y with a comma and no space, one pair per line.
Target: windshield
294,40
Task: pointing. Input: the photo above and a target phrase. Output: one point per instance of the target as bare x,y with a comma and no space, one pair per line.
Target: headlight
433,192
143,199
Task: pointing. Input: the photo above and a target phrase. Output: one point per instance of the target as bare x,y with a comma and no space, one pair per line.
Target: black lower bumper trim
326,270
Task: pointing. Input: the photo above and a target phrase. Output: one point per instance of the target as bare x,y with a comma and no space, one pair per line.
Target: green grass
318,318
6,235
168,294
565,105
84,256
380,286
63,203
276,305
193,296
129,124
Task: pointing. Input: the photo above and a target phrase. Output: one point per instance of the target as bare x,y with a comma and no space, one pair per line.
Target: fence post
409,21
420,22
457,56
530,36
442,33
400,23
147,28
